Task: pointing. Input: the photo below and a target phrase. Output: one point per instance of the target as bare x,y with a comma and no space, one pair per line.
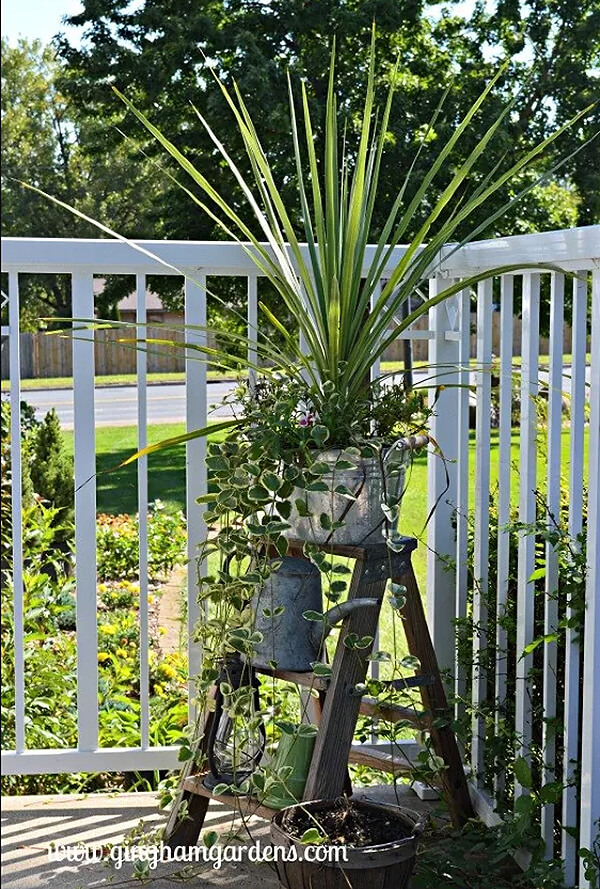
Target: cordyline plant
332,284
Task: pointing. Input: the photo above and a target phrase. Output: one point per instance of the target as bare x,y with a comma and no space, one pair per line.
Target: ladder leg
184,830
329,766
434,699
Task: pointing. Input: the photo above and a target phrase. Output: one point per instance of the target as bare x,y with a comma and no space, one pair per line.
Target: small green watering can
291,760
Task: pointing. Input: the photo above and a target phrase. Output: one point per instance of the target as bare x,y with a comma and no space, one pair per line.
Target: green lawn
117,488
111,380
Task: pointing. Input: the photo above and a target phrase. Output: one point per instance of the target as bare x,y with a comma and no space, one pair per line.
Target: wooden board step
307,680
244,804
420,719
382,760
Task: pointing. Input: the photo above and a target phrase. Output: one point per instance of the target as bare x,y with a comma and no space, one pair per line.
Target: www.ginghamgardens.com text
216,855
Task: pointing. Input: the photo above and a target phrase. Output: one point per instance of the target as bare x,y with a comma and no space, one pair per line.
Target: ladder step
308,680
246,805
421,719
382,760
420,681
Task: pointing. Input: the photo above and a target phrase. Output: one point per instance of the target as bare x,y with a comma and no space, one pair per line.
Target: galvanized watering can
289,639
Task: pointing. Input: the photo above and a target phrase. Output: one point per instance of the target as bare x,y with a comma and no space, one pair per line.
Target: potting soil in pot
348,825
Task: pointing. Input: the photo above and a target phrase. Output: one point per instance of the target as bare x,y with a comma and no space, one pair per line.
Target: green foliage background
63,127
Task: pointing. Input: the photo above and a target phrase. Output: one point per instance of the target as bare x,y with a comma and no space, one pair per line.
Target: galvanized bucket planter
366,515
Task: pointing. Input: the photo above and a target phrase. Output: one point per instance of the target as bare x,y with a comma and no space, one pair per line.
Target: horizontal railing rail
571,249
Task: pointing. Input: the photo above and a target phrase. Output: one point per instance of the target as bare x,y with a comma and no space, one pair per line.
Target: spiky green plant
331,285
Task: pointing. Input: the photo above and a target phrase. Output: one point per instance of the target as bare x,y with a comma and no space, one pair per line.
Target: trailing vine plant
258,480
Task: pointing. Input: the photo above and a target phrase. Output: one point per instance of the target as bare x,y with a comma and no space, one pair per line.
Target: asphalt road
117,406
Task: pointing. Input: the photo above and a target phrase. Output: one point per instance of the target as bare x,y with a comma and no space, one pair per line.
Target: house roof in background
129,302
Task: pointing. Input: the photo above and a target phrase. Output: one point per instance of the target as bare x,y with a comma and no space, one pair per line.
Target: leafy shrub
50,654
46,469
117,547
28,423
51,468
118,544
51,659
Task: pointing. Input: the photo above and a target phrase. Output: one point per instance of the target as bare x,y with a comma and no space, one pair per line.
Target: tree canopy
46,142
65,130
164,56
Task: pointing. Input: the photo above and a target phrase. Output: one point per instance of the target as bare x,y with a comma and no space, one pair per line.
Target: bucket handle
408,443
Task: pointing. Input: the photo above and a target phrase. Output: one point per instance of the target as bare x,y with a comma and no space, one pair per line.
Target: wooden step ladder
340,705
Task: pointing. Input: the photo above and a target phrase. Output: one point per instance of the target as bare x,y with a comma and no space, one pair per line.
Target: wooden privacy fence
421,347
44,355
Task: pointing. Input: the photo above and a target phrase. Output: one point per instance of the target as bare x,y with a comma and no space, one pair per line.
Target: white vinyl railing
448,595
538,469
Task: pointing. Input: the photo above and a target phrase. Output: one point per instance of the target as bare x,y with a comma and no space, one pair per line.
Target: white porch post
481,507
590,733
196,480
441,535
527,514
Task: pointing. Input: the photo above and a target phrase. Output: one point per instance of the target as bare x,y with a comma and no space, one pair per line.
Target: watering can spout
320,631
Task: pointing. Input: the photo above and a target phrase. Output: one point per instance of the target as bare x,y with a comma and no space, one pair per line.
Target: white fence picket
196,478
142,480
376,367
17,509
252,328
590,732
374,374
505,410
555,398
442,371
85,513
572,671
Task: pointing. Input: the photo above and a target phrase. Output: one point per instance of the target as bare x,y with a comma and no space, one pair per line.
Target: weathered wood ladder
340,705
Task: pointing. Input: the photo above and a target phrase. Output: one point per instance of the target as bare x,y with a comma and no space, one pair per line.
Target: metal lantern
235,746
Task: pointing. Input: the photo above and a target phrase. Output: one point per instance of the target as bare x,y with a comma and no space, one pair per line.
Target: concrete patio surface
30,824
